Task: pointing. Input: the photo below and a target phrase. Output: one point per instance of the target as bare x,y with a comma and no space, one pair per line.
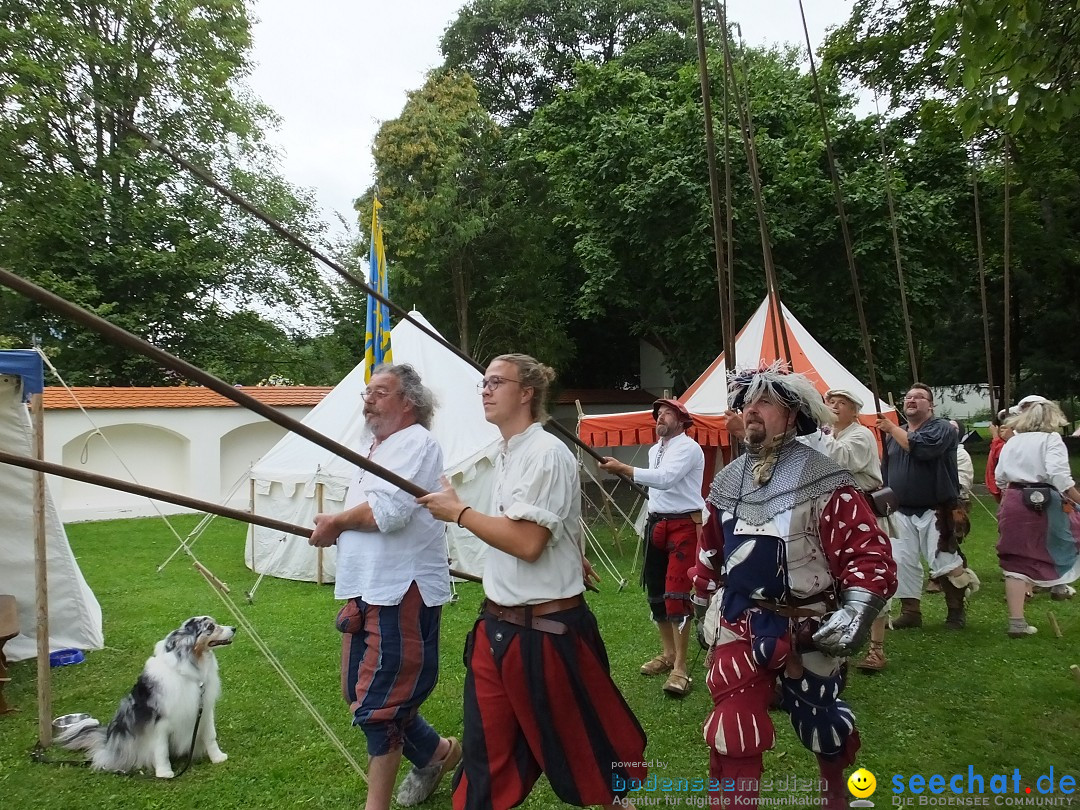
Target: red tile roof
178,397
57,398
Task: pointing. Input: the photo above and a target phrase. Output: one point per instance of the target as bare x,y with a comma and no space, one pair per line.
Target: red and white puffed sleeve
858,551
710,558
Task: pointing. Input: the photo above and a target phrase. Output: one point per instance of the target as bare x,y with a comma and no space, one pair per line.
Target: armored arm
846,628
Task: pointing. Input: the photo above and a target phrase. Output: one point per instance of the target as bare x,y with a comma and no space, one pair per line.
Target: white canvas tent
74,612
288,479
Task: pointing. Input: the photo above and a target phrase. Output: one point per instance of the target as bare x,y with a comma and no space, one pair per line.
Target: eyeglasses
916,396
493,383
374,394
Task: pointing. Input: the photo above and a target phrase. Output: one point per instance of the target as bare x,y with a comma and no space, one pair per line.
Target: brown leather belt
792,611
529,616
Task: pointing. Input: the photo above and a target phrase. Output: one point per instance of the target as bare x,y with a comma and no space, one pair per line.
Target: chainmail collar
766,455
797,474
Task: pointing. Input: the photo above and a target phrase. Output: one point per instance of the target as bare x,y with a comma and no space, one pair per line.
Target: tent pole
251,526
319,555
44,676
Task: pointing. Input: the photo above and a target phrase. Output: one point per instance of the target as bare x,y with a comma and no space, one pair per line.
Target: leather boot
956,618
910,615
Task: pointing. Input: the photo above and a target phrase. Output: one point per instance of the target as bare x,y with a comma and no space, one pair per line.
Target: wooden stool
9,628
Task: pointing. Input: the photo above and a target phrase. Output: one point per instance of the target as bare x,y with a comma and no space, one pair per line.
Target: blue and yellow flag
377,336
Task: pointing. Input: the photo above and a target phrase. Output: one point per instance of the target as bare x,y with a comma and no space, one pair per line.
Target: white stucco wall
199,452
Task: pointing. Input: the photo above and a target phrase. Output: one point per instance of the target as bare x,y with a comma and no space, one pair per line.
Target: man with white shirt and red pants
674,476
539,697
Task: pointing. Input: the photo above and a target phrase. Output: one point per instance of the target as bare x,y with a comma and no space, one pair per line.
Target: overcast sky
335,69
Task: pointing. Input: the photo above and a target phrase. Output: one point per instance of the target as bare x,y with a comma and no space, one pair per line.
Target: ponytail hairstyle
535,375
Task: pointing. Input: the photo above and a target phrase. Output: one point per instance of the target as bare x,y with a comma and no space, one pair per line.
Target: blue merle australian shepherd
156,720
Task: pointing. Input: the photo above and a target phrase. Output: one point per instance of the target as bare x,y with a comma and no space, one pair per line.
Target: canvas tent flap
759,341
74,612
286,477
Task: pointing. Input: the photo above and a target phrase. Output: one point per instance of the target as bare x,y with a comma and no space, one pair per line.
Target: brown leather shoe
678,685
875,660
657,666
910,615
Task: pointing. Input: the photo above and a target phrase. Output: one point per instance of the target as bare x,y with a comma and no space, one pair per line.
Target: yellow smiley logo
862,783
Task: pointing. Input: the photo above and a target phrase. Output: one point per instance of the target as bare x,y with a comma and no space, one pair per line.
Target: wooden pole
44,675
714,178
170,497
1007,394
982,285
251,526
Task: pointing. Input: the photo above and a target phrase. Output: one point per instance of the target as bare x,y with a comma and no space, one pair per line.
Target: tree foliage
992,68
460,244
521,53
87,210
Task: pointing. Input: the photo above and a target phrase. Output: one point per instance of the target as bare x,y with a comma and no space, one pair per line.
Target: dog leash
38,754
194,731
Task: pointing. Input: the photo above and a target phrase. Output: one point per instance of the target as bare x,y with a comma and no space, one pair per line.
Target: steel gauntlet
845,629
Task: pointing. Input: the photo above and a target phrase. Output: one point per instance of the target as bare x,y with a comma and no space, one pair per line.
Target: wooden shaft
746,128
887,168
319,553
169,497
41,590
849,250
1007,395
714,177
982,287
130,341
296,241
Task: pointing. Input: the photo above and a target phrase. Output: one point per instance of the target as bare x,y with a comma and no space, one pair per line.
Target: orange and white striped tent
759,341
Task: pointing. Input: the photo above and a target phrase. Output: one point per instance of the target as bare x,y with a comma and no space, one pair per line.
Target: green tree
87,210
459,244
1007,64
521,53
1010,66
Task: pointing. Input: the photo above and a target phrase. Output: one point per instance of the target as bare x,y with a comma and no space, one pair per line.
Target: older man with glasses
920,467
393,571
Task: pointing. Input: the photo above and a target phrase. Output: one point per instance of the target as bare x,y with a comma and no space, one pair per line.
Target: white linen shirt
675,483
965,471
856,450
536,479
1034,458
410,544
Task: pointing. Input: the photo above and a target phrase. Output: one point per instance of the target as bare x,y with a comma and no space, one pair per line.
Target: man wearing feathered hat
674,476
804,570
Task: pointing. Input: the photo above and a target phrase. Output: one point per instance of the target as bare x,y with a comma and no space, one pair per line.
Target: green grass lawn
948,699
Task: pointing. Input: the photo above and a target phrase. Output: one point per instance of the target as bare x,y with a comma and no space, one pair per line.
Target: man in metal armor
793,553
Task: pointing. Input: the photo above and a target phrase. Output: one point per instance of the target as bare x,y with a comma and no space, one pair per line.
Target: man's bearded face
668,423
765,418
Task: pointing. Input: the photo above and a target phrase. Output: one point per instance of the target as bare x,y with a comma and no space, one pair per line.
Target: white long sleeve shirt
536,479
676,468
856,450
1034,458
965,471
410,544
